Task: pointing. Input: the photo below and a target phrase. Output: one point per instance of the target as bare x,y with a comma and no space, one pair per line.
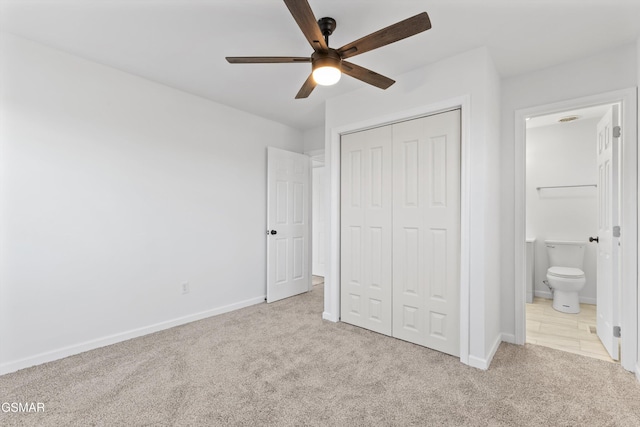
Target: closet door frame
332,277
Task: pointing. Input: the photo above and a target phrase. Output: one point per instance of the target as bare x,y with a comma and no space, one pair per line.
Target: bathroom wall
562,154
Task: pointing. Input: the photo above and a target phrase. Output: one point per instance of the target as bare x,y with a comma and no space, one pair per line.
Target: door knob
593,239
274,232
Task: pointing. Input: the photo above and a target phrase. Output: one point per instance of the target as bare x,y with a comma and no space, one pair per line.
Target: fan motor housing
327,26
326,59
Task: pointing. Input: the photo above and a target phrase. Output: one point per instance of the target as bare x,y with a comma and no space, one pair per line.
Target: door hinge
617,332
616,231
617,131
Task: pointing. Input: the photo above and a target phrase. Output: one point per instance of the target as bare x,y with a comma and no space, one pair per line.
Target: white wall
638,84
611,70
313,139
314,146
470,74
562,154
492,226
318,225
115,190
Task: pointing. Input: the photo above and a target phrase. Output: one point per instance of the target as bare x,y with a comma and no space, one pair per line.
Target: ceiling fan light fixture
327,67
326,63
326,76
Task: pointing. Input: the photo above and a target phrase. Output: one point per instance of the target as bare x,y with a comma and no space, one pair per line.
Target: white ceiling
182,43
597,111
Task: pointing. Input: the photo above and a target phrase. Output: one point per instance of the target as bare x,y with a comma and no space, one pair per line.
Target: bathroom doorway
562,206
556,166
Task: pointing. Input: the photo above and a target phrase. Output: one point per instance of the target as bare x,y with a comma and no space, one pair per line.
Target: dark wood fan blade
366,75
388,35
307,22
265,59
307,87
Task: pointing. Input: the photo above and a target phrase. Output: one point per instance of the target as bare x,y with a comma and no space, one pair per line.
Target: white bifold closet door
366,229
400,225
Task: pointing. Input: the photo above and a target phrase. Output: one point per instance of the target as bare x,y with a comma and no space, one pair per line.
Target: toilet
565,276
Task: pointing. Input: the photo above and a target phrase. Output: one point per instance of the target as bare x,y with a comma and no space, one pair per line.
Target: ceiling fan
327,64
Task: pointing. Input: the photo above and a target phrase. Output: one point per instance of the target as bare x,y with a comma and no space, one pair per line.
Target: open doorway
624,305
563,193
317,218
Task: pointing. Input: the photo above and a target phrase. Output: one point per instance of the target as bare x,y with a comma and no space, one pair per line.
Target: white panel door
317,218
426,231
607,263
288,223
365,294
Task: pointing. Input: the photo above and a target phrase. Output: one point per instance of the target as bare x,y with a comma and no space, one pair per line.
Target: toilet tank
565,253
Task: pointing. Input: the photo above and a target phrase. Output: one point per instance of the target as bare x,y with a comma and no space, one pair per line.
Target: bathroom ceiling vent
568,119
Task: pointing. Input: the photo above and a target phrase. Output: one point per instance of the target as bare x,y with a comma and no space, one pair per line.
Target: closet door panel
366,229
426,231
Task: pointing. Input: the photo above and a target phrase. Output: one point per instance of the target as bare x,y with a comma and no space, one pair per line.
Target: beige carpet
281,364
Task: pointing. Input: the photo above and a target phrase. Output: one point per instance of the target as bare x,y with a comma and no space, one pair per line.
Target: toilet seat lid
566,272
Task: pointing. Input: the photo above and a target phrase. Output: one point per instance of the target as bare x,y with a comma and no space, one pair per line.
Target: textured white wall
562,154
114,190
611,70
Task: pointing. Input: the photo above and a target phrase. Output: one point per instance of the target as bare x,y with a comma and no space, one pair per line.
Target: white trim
465,228
317,158
332,276
317,161
483,364
310,221
71,350
543,294
629,213
638,371
549,295
520,252
587,300
315,153
510,338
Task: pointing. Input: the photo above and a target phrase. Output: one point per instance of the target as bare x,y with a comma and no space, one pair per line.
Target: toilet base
566,301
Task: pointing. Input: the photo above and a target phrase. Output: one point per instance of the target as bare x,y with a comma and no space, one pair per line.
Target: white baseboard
481,363
638,372
548,295
542,294
71,350
510,338
328,316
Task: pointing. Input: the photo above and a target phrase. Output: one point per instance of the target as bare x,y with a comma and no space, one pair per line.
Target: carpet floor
281,364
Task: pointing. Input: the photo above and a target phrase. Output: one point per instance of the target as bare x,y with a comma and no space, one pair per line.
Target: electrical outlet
185,288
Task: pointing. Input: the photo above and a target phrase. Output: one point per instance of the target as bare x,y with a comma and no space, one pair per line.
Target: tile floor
568,332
